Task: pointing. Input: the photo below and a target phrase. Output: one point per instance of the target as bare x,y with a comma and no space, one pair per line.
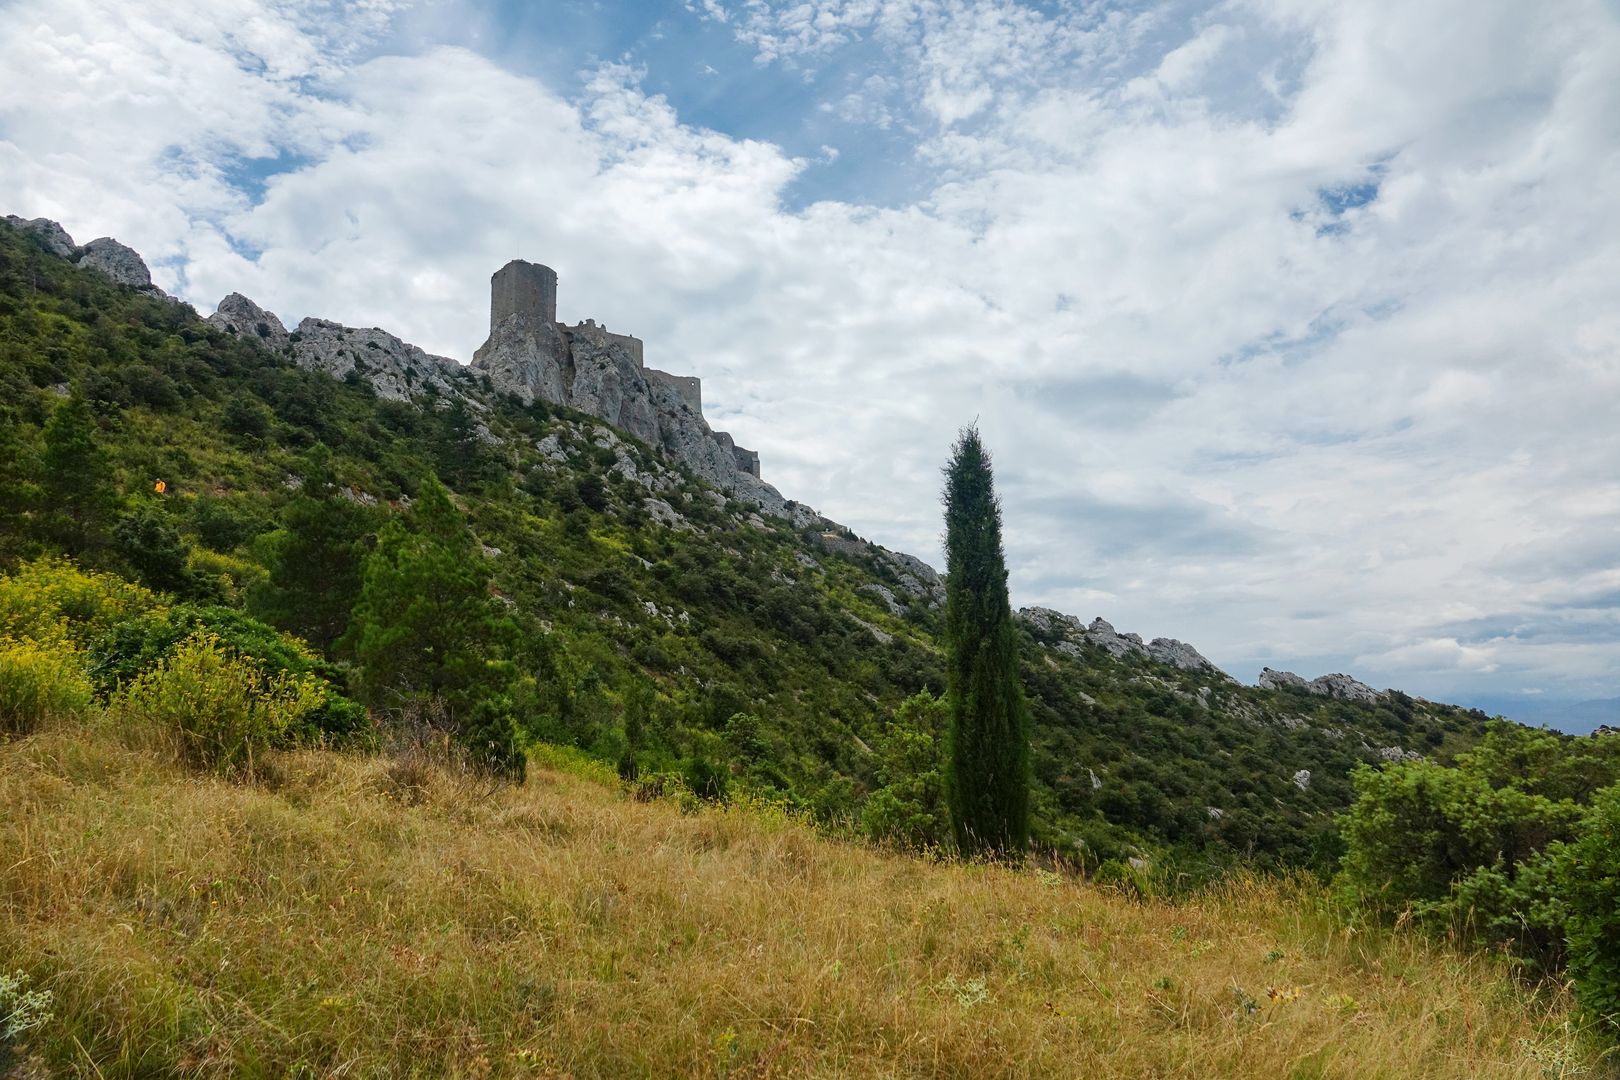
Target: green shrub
220,710
40,682
1588,876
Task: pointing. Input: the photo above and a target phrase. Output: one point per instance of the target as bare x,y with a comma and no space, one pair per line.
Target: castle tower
522,288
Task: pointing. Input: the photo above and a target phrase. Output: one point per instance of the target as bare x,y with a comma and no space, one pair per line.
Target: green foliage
50,597
78,494
136,645
988,775
1519,844
314,560
909,809
425,626
148,540
40,682
222,711
1587,876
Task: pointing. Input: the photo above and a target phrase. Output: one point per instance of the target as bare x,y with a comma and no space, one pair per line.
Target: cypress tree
987,781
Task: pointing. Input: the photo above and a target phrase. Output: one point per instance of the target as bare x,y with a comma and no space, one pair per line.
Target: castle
585,366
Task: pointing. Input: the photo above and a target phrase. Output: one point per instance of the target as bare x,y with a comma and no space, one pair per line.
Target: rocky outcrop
52,236
1302,779
240,316
103,254
1338,685
1071,634
1179,654
118,262
395,369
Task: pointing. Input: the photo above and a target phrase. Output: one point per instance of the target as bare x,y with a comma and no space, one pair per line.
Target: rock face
1337,685
118,262
50,234
1101,633
396,369
238,315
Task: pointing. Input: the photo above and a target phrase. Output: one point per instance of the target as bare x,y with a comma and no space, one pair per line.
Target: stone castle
585,366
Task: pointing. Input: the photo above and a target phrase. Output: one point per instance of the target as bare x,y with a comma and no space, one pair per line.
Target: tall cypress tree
987,780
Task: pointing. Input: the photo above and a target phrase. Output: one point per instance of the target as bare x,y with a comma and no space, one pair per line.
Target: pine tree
315,558
426,627
987,779
78,489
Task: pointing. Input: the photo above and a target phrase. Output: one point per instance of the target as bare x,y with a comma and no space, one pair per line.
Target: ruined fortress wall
632,345
522,288
688,387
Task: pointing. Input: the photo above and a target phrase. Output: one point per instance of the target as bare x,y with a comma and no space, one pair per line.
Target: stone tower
522,288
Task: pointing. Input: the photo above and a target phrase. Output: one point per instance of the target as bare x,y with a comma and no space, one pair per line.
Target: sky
1293,326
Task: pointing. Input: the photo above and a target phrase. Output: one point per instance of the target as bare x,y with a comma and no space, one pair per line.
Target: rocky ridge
1072,636
1337,685
104,254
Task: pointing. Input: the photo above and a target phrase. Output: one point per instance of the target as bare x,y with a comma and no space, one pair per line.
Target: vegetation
376,915
988,778
1514,847
273,653
632,641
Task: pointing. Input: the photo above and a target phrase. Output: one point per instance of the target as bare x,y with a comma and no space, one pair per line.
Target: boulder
118,262
238,315
51,236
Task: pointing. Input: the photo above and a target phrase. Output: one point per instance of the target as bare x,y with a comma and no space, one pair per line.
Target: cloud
1291,326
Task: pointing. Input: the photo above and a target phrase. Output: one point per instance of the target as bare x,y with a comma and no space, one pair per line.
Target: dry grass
355,917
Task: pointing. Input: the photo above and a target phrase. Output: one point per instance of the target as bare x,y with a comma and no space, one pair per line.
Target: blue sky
1292,324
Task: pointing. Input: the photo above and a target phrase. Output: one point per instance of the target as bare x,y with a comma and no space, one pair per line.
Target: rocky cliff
103,254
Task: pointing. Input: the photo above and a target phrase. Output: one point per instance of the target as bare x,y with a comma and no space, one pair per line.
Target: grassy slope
367,915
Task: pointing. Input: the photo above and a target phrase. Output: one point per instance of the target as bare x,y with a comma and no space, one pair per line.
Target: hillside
380,915
761,647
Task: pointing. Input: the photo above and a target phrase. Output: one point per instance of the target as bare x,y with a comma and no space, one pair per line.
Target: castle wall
522,288
688,387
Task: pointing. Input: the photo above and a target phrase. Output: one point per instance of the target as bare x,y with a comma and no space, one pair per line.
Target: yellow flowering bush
222,710
40,681
50,597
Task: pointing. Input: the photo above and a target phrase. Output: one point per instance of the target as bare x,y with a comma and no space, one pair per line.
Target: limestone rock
118,262
1102,634
1280,680
1344,688
1337,685
884,596
1302,779
238,315
1179,654
52,236
396,369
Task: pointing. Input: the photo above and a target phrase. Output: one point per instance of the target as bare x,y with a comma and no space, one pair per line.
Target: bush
40,682
48,594
222,711
1588,876
148,540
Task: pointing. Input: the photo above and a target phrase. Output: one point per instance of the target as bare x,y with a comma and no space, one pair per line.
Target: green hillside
688,638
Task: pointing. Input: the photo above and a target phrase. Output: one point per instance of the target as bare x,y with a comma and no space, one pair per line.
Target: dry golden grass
351,917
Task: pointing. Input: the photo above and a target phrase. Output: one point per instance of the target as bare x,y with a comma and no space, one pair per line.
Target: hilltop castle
531,354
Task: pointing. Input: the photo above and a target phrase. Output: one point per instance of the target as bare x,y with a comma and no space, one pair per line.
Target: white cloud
1291,325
